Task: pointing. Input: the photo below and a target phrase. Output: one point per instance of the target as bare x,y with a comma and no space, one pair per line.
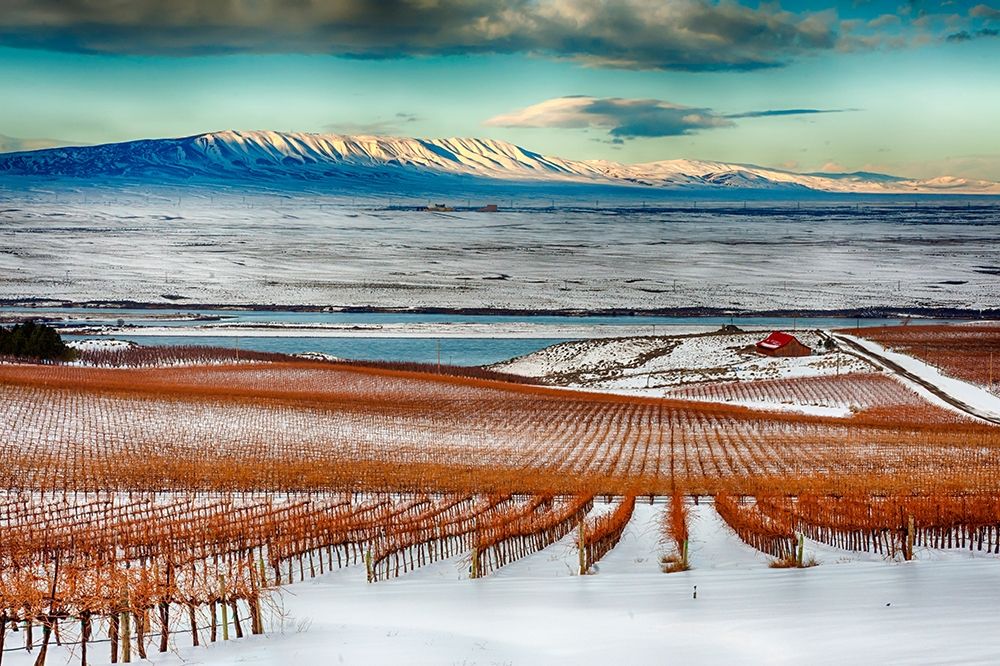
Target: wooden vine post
49,619
84,636
583,550
908,553
801,551
193,620
3,630
225,609
113,635
164,608
141,623
126,637
256,625
475,563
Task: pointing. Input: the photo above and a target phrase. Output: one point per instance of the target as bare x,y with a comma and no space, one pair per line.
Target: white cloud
630,118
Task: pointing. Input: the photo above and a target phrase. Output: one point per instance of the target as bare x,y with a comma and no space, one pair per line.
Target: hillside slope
365,161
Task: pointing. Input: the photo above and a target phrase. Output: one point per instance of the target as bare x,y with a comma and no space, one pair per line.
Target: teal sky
926,107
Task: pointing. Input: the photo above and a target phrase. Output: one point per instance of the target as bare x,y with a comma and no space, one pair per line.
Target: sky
909,87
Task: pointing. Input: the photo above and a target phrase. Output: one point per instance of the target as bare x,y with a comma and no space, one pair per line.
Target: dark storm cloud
785,112
638,34
966,36
631,118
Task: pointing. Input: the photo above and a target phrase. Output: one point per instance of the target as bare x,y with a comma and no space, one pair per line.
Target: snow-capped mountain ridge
457,155
342,159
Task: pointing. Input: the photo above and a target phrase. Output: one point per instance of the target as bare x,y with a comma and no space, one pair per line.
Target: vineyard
858,392
969,352
135,356
146,356
306,426
150,506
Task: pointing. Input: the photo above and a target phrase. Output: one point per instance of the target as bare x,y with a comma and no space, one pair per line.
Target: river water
457,351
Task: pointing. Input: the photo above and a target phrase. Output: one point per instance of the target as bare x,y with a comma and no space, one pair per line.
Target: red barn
782,344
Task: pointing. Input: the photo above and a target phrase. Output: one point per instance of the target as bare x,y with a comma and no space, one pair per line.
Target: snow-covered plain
851,608
193,245
523,329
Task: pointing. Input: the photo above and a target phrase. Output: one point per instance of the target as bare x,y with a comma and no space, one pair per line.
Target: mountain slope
363,160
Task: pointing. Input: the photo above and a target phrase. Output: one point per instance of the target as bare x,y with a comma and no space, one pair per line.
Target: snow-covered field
188,246
535,612
653,365
671,365
99,344
731,607
851,608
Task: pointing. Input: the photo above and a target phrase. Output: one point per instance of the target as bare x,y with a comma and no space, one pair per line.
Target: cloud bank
631,118
13,144
639,34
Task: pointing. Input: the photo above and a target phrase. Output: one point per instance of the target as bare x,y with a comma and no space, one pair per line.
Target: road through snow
928,380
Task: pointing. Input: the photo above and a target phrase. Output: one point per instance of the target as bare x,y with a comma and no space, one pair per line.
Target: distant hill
363,162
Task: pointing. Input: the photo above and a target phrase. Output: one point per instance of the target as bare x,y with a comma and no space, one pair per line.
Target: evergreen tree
34,341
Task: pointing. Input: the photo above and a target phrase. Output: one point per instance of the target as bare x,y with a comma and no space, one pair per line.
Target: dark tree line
34,341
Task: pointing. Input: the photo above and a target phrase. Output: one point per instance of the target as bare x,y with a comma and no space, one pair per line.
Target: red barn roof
776,340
